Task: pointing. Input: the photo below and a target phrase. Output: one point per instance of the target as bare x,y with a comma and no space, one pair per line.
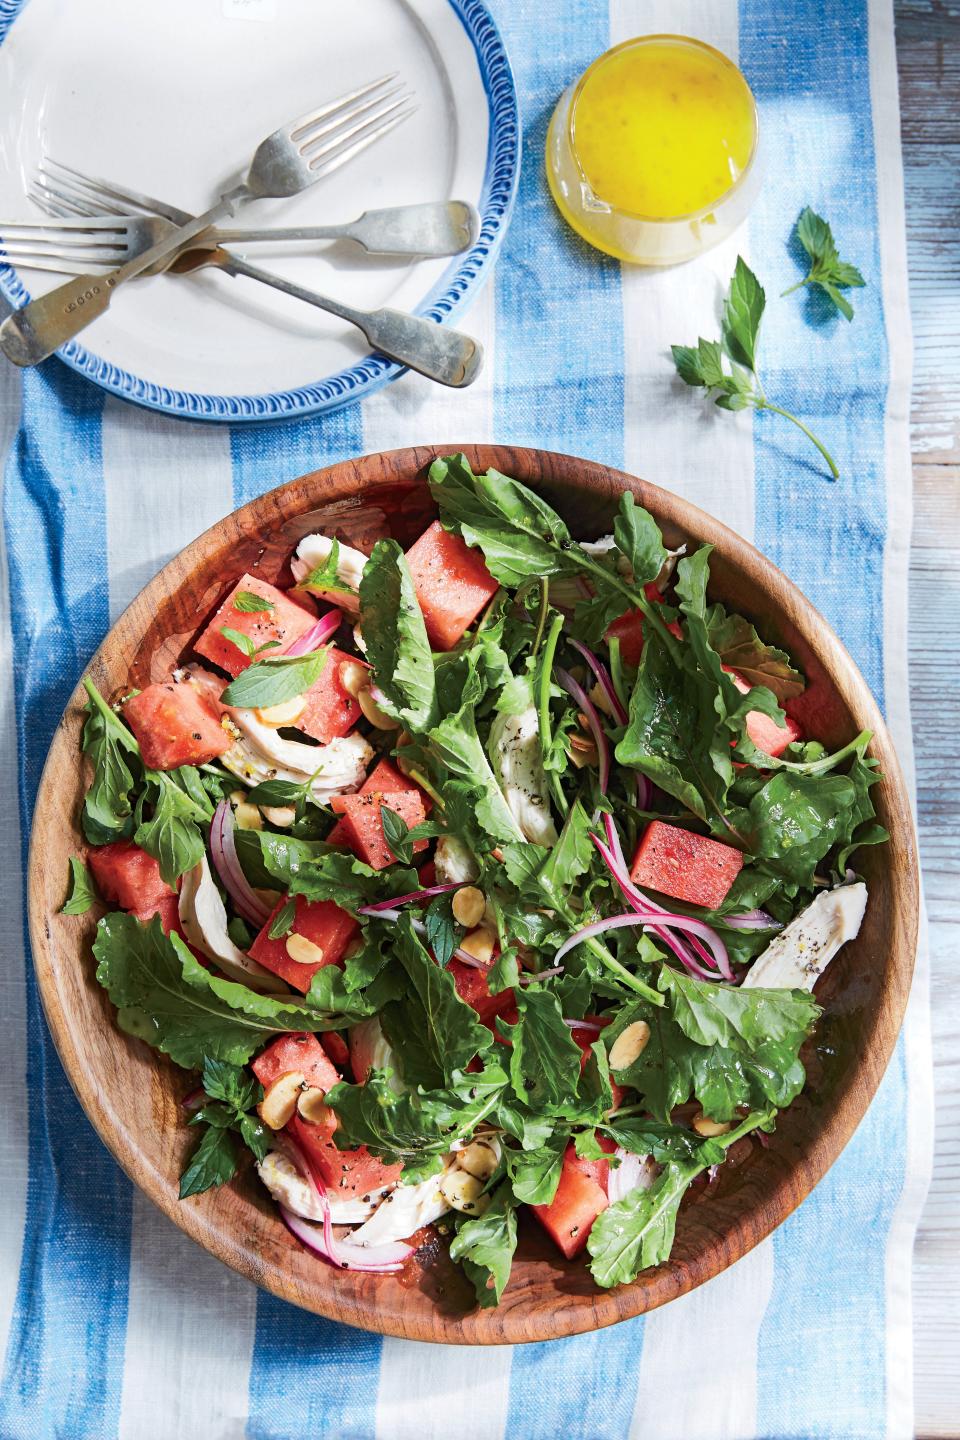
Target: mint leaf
282,920
237,638
325,577
250,604
742,313
544,1057
443,933
485,1247
271,682
397,834
213,1162
827,270
396,639
171,834
83,892
234,1085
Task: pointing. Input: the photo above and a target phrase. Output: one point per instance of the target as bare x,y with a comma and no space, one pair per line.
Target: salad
490,875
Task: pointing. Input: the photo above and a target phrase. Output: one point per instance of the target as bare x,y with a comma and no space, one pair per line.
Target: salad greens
826,270
546,746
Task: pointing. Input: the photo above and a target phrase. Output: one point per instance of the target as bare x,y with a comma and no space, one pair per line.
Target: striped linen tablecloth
112,1323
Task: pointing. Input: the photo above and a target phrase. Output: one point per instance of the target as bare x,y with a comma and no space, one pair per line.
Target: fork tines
328,137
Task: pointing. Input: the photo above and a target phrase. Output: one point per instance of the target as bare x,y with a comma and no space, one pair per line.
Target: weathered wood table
928,46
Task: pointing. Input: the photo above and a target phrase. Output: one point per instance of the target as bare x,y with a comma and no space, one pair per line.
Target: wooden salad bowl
132,1094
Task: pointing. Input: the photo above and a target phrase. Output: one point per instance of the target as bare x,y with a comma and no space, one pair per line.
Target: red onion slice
223,850
387,905
581,697
342,1253
603,679
325,628
590,1025
753,920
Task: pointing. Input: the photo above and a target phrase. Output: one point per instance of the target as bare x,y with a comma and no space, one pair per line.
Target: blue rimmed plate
172,100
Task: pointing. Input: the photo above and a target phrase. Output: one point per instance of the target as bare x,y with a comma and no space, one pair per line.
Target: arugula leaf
485,1247
662,1074
108,807
664,1142
570,858
272,681
826,268
739,646
83,892
637,1231
250,604
170,835
396,832
166,997
213,1162
312,869
521,536
282,920
535,1174
445,1028
797,819
714,1014
414,1128
638,538
458,748
739,388
544,1057
396,639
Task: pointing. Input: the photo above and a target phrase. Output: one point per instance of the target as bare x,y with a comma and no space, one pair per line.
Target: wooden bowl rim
507,1325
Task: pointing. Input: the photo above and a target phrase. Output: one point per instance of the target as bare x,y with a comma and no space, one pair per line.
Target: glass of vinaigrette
652,153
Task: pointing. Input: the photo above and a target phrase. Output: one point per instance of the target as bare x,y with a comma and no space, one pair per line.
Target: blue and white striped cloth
111,1322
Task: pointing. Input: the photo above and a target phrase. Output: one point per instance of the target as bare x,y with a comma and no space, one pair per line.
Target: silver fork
446,356
285,163
114,231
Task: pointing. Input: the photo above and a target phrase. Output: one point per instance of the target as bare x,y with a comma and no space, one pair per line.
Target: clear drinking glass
667,160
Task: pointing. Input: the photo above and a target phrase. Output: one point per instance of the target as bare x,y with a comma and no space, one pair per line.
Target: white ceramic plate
173,99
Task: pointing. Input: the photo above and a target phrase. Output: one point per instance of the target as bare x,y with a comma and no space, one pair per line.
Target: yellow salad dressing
645,149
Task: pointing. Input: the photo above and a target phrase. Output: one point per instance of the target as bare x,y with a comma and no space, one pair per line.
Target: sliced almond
629,1045
479,943
288,712
280,1099
372,712
311,1105
248,817
358,640
709,1128
601,699
480,1158
468,906
299,948
463,1191
283,816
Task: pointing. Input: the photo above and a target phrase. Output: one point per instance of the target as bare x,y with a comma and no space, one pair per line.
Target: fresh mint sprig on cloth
739,387
827,270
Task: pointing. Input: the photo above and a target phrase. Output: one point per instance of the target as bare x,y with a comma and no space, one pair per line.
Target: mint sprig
827,270
739,387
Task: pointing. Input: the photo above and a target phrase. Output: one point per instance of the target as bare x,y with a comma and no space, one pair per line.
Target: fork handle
31,334
439,353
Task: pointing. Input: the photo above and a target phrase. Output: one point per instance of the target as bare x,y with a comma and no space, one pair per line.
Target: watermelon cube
452,584
331,711
320,922
348,1174
690,867
127,876
363,827
580,1198
296,1053
586,1038
473,988
384,777
765,733
285,621
628,629
176,724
